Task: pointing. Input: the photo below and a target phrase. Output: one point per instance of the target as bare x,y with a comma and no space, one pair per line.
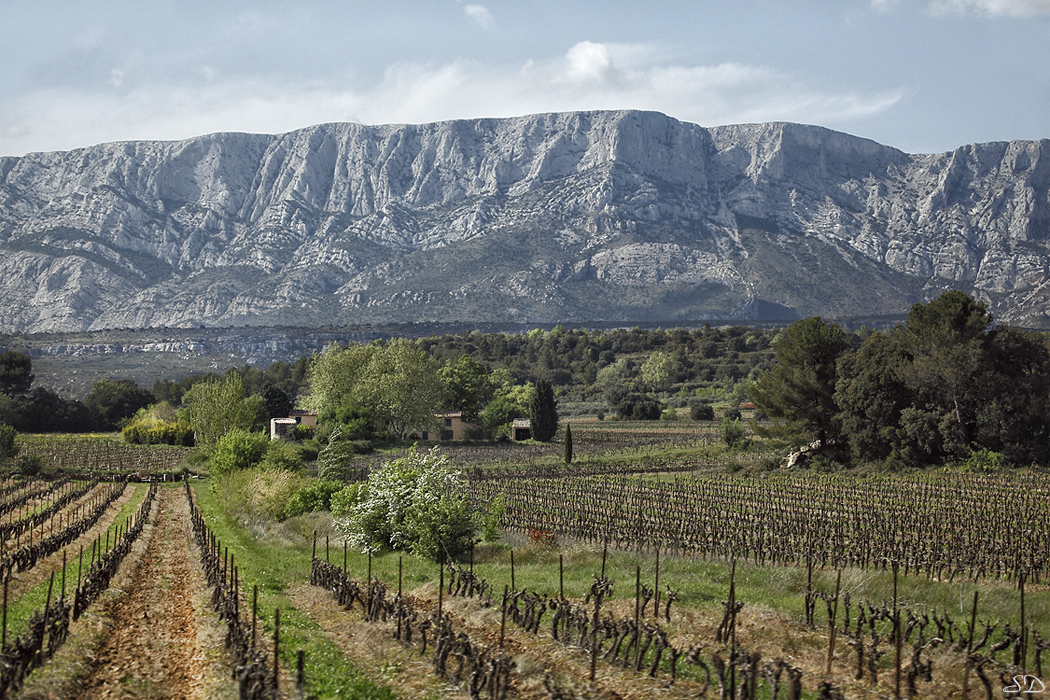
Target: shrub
701,411
257,496
317,495
239,449
30,465
336,461
733,432
985,461
148,428
542,537
639,407
8,448
281,455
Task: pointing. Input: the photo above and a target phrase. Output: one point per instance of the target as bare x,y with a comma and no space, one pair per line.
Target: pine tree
543,413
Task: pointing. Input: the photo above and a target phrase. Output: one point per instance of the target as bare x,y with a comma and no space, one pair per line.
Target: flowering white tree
415,504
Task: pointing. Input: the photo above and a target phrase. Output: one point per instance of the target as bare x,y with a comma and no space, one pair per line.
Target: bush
158,424
732,413
30,465
701,411
256,495
281,455
336,461
669,414
985,461
239,449
8,448
733,432
317,495
415,504
638,407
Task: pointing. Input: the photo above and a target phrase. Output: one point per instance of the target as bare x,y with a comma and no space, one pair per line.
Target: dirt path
153,648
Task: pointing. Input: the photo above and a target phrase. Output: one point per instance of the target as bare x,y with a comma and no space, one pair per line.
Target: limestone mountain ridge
612,216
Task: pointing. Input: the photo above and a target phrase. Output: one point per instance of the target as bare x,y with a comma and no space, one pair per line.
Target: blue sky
920,75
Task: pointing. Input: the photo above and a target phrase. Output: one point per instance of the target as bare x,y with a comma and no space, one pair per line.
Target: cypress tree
543,413
568,444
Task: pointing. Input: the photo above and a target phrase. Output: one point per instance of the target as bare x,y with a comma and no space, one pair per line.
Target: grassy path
275,569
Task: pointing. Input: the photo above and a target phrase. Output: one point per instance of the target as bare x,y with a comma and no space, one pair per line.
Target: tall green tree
946,384
16,373
543,412
946,341
114,400
1013,415
277,401
871,395
336,373
798,391
8,446
401,386
216,407
468,385
396,382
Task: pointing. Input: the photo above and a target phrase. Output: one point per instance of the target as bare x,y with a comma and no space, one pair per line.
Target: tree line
947,385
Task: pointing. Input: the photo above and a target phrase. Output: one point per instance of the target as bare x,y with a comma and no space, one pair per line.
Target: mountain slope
599,216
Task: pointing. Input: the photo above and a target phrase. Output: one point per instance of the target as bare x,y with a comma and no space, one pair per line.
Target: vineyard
645,569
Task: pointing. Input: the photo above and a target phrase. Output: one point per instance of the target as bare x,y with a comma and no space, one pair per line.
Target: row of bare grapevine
26,557
255,670
484,671
95,456
48,628
948,526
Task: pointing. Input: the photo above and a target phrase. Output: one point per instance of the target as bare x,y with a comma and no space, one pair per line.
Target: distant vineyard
944,526
86,455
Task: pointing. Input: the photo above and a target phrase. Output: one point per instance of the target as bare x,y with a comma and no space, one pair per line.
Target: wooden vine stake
255,610
1024,628
503,618
637,606
3,634
896,636
561,576
831,621
276,649
656,586
969,649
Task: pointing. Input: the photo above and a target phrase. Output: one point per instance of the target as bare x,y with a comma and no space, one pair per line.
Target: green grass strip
329,674
19,611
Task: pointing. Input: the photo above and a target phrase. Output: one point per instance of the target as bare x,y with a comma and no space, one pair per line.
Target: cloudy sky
921,75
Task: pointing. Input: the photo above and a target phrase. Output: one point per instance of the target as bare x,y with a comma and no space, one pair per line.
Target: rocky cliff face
601,216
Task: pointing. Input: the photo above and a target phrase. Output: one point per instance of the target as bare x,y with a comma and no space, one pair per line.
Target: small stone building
521,429
281,428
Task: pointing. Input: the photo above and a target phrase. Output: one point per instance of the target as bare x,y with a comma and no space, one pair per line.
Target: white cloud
589,62
1007,8
480,15
1011,8
116,77
586,77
